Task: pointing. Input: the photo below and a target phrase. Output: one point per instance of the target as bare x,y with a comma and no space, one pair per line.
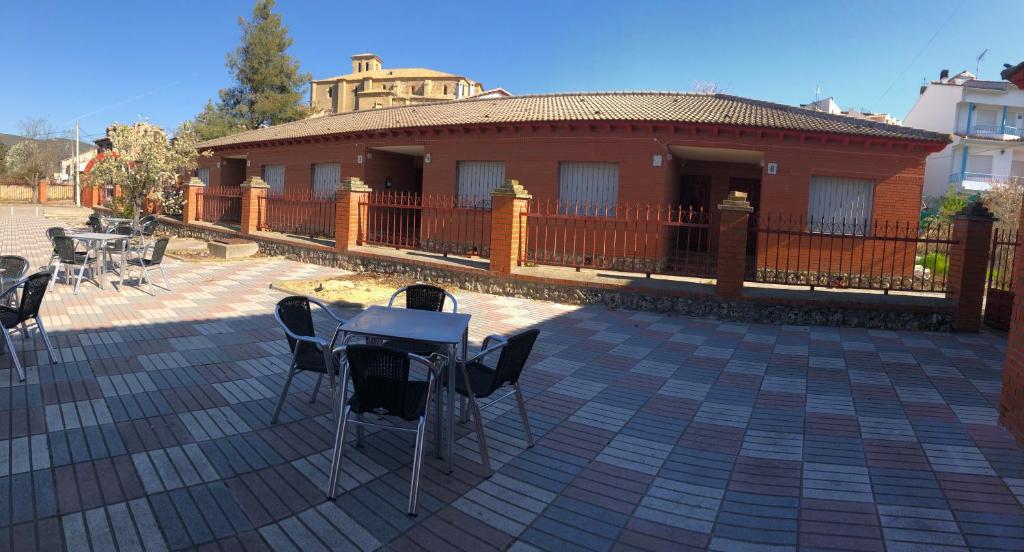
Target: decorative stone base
232,248
765,310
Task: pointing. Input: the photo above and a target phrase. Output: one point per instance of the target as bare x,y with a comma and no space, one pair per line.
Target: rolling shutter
588,188
273,175
326,177
840,205
203,174
477,179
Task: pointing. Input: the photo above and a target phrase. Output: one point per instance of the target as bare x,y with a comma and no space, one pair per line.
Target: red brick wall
1011,401
532,153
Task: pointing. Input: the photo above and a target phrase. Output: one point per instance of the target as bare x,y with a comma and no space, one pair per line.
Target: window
588,188
326,177
1017,169
979,164
203,174
273,175
477,179
986,119
840,205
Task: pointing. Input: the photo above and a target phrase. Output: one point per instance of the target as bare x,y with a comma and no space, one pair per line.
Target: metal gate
999,292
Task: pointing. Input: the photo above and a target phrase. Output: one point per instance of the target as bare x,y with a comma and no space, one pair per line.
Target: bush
934,261
172,201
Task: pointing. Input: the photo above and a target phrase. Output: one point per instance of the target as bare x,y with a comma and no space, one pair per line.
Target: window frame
607,209
860,226
480,202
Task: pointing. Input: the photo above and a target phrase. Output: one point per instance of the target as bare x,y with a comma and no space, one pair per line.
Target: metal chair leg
78,281
167,283
14,355
316,388
284,394
463,410
485,457
339,451
149,281
46,340
360,431
417,466
522,414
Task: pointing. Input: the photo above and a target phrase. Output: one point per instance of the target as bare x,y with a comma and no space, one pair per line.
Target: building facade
598,155
371,86
986,119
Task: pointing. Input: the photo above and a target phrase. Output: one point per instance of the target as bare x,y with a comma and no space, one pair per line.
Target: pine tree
269,86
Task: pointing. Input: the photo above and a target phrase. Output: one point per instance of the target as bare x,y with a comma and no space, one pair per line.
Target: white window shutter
588,188
840,205
273,175
326,177
477,179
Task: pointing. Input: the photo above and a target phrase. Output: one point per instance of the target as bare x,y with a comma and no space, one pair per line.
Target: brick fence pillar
89,196
193,191
968,265
732,245
44,186
508,202
117,190
252,191
348,225
1011,399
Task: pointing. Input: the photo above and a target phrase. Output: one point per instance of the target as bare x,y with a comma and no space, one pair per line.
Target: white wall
937,169
935,109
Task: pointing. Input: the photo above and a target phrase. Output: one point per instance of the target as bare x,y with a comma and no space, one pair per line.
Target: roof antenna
977,68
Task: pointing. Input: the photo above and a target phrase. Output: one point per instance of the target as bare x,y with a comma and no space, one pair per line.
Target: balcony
1004,132
980,182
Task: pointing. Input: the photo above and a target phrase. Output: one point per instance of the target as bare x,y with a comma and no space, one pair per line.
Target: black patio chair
421,297
477,380
33,288
116,251
69,258
12,269
381,387
51,233
310,353
97,223
144,264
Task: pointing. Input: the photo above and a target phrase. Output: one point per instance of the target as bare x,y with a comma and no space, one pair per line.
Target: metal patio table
444,328
95,241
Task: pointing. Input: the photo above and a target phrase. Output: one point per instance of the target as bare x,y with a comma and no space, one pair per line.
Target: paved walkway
654,432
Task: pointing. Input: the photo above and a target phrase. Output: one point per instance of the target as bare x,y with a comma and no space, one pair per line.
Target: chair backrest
64,247
124,229
96,223
159,247
513,358
297,317
54,232
424,297
15,267
32,293
380,378
148,224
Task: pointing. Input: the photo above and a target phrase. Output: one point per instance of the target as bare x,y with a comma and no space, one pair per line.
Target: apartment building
986,119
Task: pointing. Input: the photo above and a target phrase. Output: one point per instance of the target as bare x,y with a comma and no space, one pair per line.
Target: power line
923,48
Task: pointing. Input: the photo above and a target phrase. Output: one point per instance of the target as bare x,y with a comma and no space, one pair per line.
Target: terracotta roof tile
667,107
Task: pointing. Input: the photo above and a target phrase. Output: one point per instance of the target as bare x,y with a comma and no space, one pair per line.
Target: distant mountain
11,139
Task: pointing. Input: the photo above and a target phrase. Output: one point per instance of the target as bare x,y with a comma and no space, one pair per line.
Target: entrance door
695,192
752,187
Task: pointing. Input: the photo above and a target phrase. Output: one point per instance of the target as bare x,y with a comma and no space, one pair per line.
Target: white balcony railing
995,130
982,181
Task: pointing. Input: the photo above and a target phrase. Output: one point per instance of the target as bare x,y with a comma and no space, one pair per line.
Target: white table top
98,236
416,325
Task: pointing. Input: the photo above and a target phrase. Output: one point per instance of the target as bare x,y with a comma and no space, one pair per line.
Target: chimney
944,75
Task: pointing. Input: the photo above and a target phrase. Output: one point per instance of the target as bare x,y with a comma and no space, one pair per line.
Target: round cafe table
95,241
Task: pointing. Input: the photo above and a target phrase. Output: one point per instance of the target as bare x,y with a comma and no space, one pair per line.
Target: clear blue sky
117,61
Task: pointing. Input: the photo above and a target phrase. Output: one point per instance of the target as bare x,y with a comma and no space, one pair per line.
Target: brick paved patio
654,432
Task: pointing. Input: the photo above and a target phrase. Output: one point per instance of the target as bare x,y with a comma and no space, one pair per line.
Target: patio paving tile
652,432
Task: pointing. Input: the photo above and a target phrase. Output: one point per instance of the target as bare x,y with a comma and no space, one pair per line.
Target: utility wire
922,50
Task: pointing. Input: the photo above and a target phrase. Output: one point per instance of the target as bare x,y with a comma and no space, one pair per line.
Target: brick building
600,148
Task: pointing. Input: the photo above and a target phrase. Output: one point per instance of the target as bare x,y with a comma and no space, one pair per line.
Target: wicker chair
476,380
14,268
310,353
144,263
381,387
69,258
421,297
33,288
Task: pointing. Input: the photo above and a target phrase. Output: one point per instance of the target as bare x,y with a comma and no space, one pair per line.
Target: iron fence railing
303,213
645,238
1001,258
220,204
439,224
879,255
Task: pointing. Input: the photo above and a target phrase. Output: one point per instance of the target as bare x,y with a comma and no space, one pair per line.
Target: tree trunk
35,189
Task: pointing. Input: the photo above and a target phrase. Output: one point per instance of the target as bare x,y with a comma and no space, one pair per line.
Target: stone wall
756,310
